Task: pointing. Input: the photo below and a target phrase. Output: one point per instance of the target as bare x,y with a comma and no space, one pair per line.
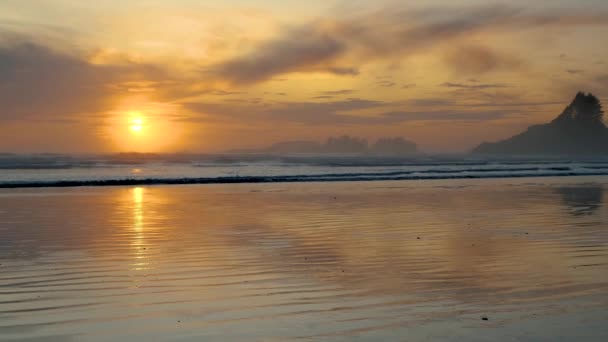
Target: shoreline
272,179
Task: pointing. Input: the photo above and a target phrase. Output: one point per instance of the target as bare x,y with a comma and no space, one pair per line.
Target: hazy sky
206,76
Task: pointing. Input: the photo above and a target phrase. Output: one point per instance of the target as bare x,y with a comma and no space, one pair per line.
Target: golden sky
207,76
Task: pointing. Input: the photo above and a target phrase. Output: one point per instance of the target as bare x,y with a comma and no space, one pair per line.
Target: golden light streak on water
139,244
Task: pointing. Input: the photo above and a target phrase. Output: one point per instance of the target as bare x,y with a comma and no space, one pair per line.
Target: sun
136,124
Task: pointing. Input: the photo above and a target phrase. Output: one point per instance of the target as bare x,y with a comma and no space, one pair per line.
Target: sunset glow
229,74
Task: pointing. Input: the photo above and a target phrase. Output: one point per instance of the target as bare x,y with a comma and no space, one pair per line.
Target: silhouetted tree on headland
578,130
585,109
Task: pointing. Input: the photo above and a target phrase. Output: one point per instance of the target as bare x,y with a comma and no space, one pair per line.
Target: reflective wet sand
386,261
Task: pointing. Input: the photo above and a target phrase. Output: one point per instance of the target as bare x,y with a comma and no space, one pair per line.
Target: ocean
142,169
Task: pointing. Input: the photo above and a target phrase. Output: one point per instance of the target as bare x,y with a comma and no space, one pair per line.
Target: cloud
299,49
529,104
603,80
474,86
342,45
38,81
331,94
338,92
431,102
312,113
386,84
342,71
344,112
474,59
446,115
220,92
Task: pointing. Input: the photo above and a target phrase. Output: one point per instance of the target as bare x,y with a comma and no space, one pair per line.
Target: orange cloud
340,46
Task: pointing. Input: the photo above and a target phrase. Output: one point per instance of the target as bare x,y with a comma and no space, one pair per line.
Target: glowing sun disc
137,125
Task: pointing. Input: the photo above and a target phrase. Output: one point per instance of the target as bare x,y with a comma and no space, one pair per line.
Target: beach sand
462,260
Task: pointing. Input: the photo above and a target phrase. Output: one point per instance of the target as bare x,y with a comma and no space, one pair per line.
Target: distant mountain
294,147
341,145
579,130
345,145
393,146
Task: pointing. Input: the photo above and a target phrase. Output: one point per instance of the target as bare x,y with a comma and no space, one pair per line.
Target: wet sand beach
477,260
